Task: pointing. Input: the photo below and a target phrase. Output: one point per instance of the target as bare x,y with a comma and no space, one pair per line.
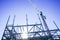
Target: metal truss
34,32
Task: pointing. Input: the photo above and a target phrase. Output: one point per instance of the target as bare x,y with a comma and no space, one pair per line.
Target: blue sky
50,8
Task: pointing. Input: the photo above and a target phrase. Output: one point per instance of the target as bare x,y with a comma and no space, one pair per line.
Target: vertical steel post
5,28
40,22
57,28
27,25
44,22
11,33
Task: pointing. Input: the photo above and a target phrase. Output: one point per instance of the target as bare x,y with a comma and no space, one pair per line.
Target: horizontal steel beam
23,25
36,32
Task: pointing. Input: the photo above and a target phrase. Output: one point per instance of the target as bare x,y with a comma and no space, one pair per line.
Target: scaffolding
33,31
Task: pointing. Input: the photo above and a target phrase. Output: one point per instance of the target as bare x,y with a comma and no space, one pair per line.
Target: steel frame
34,31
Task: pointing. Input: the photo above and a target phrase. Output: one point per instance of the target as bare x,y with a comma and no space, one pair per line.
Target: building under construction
33,31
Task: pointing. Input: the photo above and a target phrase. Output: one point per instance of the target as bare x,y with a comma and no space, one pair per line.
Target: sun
24,34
